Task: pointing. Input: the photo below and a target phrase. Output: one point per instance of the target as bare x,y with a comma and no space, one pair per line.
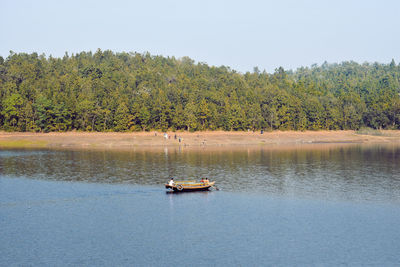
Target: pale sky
238,34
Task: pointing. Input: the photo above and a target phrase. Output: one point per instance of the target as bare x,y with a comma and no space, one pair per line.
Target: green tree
190,117
122,119
85,111
12,112
44,114
85,91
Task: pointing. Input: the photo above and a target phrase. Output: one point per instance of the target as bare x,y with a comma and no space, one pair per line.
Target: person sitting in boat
202,180
206,181
171,182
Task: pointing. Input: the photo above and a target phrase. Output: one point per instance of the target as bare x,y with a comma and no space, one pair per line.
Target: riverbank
197,139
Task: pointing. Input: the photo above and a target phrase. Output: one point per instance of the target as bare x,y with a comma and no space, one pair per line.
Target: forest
108,91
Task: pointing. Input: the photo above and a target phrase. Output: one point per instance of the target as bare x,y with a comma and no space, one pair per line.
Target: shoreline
215,139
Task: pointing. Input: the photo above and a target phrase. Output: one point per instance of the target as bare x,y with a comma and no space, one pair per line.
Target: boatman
171,182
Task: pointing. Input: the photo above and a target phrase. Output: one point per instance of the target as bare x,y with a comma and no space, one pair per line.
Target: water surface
353,172
313,205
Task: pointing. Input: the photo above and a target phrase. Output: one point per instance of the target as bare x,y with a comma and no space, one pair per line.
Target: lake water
306,205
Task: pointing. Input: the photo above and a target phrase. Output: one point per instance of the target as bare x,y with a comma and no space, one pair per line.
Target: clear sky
239,34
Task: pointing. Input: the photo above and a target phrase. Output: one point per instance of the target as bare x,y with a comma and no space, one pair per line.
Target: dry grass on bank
197,139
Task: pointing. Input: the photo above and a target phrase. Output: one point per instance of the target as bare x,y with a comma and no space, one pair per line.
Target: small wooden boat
187,186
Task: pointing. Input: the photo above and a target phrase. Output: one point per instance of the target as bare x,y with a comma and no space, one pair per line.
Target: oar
216,188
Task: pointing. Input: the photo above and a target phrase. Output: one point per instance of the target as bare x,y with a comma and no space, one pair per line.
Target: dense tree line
106,91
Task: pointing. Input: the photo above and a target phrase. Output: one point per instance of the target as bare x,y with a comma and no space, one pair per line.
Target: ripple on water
351,172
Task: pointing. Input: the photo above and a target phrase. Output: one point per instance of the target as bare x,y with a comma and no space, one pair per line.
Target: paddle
216,188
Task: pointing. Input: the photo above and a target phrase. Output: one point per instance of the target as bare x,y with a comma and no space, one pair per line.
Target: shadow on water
340,171
185,193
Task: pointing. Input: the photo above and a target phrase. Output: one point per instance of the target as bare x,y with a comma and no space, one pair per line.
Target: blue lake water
302,206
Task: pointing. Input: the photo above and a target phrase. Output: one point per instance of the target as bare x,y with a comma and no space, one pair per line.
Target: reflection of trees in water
299,170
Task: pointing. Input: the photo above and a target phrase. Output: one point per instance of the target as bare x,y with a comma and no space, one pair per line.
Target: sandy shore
186,139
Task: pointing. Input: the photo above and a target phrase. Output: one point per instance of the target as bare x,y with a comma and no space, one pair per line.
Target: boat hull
190,187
